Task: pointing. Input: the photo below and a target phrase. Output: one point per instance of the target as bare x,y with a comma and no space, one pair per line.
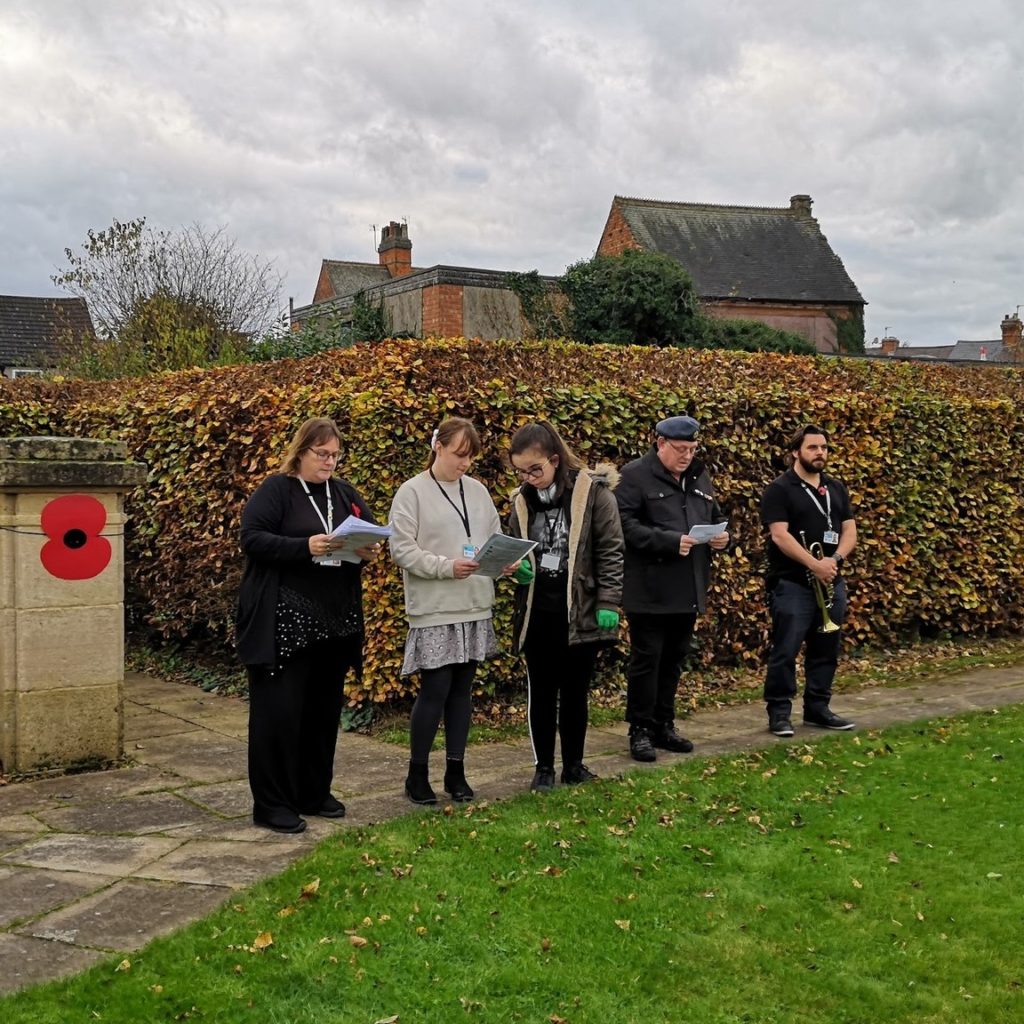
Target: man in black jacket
662,497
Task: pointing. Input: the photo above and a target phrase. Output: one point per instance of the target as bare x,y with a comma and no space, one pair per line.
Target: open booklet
499,551
350,535
702,533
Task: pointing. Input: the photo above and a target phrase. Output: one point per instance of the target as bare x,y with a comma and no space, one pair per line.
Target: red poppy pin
821,490
75,550
357,511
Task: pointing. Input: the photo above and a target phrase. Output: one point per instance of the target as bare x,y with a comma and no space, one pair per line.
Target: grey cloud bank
502,134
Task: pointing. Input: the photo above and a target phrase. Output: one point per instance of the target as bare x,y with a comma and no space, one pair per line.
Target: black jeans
558,683
658,645
795,621
294,713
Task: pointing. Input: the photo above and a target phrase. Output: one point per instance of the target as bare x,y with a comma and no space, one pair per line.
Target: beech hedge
932,456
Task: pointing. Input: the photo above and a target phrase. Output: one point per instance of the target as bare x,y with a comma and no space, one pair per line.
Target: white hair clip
433,439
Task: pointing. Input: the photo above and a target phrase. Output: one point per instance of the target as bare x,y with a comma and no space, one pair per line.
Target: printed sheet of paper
353,533
702,534
499,551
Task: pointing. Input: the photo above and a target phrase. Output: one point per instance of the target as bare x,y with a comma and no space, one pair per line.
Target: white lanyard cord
828,503
329,521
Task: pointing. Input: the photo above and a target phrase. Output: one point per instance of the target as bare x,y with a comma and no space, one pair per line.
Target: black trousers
658,645
294,713
795,621
558,681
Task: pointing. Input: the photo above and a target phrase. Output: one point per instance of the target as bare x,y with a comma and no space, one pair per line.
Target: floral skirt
435,646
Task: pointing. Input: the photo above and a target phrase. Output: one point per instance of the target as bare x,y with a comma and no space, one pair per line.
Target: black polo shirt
787,499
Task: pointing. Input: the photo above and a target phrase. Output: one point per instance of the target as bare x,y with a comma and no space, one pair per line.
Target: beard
815,465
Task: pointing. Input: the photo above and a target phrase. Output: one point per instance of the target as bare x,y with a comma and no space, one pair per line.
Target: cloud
503,133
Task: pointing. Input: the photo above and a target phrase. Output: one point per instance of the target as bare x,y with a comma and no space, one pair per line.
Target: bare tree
122,268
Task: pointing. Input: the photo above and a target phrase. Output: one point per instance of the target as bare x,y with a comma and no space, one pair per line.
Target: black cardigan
268,551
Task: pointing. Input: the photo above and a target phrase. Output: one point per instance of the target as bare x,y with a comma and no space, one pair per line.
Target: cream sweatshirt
427,536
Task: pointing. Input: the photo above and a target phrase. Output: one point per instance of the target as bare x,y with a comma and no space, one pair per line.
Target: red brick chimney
889,346
1011,328
395,249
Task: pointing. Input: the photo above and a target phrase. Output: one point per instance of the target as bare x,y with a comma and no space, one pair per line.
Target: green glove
524,574
607,619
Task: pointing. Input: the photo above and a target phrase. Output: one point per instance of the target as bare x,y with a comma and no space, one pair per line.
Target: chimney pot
1012,329
889,345
801,205
395,249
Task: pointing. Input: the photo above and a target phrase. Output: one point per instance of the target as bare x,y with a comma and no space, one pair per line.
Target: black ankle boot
417,785
455,782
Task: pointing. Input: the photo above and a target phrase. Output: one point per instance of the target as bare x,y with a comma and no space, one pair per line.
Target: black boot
417,785
455,782
640,746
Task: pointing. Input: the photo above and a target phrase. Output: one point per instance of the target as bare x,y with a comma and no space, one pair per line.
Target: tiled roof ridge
671,204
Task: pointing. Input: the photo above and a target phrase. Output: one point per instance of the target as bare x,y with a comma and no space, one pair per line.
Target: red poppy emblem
75,550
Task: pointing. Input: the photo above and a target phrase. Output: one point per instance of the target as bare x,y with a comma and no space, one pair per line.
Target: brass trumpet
824,593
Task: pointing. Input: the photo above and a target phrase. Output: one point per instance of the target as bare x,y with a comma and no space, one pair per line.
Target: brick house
1009,348
34,332
749,262
437,301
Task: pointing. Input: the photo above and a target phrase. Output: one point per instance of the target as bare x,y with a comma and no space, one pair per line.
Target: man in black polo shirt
802,507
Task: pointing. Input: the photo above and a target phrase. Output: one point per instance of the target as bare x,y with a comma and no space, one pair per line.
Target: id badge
468,551
830,537
327,560
550,561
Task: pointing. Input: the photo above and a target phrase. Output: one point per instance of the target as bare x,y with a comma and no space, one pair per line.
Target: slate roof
994,351
743,252
33,329
347,278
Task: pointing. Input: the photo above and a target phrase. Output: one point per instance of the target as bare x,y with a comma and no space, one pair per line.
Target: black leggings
444,692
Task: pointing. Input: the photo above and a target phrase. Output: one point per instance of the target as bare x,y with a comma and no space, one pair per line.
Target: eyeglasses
533,472
324,455
687,447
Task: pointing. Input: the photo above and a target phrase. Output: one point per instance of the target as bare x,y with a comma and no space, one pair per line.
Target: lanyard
329,521
551,526
827,511
464,514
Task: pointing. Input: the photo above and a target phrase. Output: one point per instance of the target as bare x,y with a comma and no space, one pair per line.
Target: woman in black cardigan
300,628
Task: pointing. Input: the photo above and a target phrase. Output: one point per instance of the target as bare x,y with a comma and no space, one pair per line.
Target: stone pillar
62,600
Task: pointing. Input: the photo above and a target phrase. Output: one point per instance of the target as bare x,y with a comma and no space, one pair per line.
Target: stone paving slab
27,961
232,799
117,856
85,788
26,893
200,756
125,916
135,815
150,723
236,865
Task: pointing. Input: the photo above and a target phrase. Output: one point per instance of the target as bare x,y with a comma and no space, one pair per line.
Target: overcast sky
502,132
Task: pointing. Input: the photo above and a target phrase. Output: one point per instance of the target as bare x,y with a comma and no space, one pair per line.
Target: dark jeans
795,621
558,681
444,692
658,645
294,712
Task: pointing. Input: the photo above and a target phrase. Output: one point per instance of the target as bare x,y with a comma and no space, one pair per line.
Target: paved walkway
101,863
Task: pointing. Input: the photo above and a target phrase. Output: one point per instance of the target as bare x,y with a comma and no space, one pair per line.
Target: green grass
869,877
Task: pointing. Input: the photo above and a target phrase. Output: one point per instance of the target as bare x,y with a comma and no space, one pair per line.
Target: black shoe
455,783
666,738
780,726
543,780
284,825
640,746
574,774
417,785
827,720
332,807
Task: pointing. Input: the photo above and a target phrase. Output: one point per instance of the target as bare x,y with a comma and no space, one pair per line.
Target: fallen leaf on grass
552,870
624,925
993,874
124,965
387,1020
311,889
892,858
286,912
262,941
857,884
545,944
358,941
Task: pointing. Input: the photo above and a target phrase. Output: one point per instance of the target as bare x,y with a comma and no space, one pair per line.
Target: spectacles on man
324,455
533,472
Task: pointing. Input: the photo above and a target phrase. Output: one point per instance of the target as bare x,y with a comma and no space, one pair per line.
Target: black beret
678,428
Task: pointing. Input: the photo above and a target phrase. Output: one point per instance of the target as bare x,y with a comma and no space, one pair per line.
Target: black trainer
827,719
574,774
666,738
640,746
543,780
332,807
780,726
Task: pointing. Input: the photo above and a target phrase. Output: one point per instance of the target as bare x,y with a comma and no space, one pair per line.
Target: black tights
444,692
